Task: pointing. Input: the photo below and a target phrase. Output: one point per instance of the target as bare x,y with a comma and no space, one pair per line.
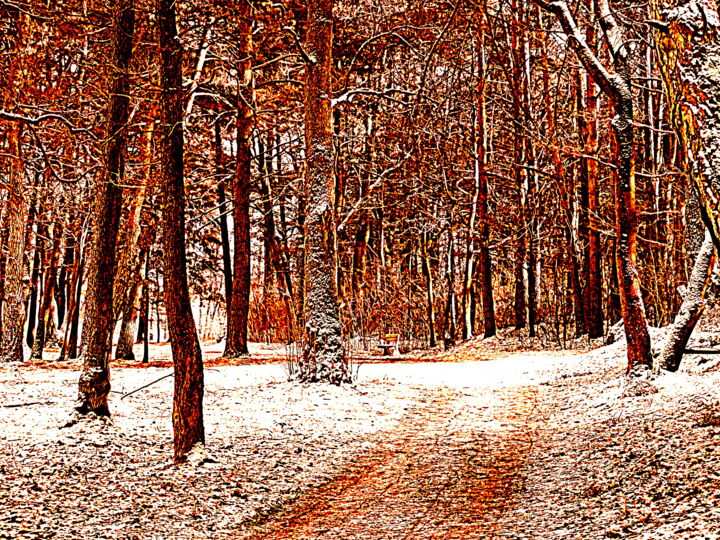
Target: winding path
450,470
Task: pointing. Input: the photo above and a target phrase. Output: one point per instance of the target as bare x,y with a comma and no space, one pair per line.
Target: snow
563,424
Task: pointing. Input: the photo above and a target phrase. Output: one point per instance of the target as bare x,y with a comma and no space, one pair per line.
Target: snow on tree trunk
691,309
188,428
323,357
94,384
688,45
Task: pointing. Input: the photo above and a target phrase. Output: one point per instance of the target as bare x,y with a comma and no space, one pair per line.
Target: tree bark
69,345
483,267
34,294
46,323
4,232
429,288
688,47
323,358
223,220
145,316
237,318
94,384
13,308
617,85
128,326
188,428
589,197
691,309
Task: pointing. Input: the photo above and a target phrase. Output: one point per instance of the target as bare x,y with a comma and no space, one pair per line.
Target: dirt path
450,471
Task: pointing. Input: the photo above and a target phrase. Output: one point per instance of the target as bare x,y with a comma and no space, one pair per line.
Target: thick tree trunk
13,308
188,428
94,384
631,303
237,318
691,309
323,358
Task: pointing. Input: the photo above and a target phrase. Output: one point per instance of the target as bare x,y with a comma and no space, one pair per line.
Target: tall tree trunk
223,220
145,316
61,289
237,318
188,428
482,275
94,384
35,286
4,233
69,345
13,308
46,323
72,340
450,333
530,186
323,358
516,79
589,197
631,303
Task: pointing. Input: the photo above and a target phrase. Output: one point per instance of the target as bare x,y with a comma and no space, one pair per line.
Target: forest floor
479,442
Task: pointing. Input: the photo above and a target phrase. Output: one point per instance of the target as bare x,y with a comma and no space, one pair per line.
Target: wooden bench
390,344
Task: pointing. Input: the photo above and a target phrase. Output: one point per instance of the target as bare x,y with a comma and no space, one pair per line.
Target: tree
237,317
686,40
686,36
323,358
479,210
617,85
94,384
13,308
188,428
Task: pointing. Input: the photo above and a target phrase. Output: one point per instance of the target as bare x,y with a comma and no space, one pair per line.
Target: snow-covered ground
608,456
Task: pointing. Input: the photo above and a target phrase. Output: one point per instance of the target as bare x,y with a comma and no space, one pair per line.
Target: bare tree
237,318
94,384
323,358
188,428
616,83
13,307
